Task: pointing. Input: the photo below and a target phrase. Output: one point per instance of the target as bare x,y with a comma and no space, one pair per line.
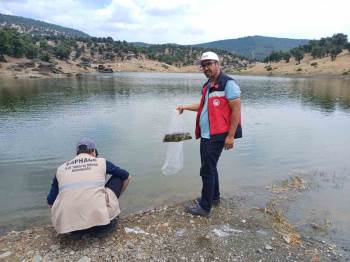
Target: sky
191,21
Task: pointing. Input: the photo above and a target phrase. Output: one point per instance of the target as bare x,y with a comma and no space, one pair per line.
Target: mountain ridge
254,47
37,27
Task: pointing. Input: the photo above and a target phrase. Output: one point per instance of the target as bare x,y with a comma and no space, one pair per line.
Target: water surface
291,126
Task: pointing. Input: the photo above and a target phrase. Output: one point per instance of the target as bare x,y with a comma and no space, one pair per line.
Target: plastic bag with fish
174,152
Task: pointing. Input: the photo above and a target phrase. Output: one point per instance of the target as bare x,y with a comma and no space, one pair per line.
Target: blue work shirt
111,169
232,91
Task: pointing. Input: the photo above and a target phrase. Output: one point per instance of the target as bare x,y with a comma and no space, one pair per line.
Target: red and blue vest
219,110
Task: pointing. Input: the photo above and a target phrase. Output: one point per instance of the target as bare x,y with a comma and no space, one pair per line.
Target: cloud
158,8
156,11
187,22
125,11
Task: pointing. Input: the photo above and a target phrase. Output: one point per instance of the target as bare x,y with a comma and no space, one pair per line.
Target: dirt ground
21,68
307,67
234,232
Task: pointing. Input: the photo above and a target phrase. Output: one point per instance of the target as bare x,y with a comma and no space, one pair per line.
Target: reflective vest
219,110
83,201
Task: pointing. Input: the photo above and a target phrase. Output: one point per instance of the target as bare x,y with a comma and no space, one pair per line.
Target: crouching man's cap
86,143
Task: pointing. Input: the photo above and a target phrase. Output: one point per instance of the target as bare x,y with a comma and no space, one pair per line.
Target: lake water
290,126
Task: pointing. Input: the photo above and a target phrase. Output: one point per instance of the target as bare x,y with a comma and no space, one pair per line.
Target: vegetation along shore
34,49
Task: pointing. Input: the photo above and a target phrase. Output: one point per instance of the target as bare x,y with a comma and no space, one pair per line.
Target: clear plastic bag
174,152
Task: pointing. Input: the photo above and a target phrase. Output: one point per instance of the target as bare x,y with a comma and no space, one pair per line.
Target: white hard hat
209,56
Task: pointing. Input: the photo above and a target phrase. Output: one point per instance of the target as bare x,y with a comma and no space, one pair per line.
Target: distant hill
35,27
180,55
254,47
140,44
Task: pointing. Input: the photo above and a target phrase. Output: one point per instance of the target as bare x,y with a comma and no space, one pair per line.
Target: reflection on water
321,210
289,125
325,95
321,94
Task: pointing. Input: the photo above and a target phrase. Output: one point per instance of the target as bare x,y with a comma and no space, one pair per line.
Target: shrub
62,51
299,69
314,64
347,46
268,68
45,57
31,51
335,50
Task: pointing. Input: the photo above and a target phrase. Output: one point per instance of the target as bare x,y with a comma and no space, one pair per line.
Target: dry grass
281,225
293,183
308,66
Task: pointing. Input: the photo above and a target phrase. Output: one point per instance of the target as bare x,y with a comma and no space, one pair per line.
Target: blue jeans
210,153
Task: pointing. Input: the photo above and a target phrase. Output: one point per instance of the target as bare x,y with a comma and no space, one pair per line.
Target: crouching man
81,201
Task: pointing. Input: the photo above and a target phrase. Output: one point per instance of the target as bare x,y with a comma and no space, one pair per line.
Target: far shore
307,68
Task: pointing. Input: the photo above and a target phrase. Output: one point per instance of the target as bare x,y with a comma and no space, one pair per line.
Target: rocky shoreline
232,233
308,67
35,68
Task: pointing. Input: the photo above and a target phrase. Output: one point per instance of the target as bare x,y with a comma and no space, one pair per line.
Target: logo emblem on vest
216,102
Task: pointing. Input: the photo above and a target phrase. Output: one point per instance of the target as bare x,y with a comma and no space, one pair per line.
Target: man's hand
229,142
180,109
193,107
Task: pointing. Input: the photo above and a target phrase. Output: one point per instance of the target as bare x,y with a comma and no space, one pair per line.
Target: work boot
197,210
215,202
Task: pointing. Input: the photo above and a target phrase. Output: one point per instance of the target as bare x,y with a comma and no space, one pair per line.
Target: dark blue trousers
210,153
115,184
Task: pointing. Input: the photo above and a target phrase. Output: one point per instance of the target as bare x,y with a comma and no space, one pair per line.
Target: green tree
347,46
78,53
335,50
18,46
31,51
339,40
298,54
4,44
287,57
62,51
317,51
45,57
44,45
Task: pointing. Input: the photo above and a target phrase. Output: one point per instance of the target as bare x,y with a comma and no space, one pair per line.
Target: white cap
209,56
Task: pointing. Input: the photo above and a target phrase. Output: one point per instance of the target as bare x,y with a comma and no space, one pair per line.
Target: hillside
254,47
179,56
94,52
47,53
308,66
327,56
35,27
22,55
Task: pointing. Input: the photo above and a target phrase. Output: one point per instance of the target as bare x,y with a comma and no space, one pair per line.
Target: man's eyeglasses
204,65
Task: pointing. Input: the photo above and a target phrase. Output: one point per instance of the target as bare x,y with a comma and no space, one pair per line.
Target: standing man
218,123
79,199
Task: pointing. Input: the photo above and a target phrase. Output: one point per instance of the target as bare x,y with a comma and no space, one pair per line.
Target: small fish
177,137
